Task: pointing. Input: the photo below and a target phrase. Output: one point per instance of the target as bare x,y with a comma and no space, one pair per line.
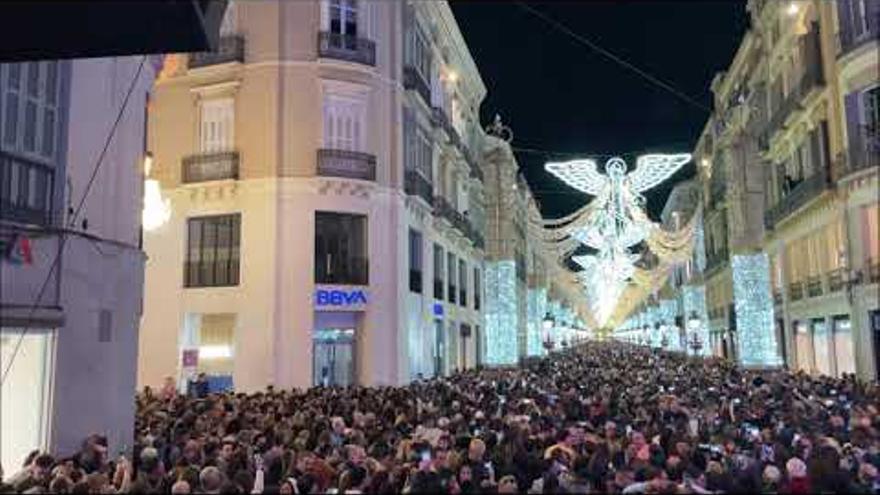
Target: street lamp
693,326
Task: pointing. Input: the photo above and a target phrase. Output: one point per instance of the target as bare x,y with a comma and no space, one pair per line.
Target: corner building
325,203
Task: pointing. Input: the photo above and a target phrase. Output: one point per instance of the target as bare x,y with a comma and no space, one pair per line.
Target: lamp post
693,326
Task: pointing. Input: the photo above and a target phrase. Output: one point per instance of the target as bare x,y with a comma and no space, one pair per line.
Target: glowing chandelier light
613,223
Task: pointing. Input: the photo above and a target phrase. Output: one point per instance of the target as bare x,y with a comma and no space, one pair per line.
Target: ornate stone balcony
346,164
204,167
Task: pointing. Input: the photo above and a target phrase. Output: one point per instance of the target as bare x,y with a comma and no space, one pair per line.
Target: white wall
102,270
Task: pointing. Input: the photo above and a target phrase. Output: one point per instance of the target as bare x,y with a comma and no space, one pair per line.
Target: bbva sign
337,297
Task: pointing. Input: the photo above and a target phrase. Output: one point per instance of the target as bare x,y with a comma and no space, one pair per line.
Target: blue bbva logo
325,297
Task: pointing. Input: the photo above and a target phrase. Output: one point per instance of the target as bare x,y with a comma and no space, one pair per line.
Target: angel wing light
616,223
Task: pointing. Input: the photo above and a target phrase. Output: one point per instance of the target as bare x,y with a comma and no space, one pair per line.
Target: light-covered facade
533,302
326,200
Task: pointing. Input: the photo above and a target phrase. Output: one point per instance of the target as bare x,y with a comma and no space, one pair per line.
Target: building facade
788,161
72,268
325,198
534,304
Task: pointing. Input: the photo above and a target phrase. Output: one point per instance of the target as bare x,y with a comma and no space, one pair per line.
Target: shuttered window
217,125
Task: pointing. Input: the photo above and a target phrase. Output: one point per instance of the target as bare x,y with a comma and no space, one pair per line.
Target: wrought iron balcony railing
204,167
417,185
412,79
801,194
814,286
347,164
796,291
835,280
346,47
229,49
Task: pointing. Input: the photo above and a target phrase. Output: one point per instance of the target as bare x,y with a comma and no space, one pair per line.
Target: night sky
560,96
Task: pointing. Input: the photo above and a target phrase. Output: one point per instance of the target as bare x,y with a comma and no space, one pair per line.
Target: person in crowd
603,417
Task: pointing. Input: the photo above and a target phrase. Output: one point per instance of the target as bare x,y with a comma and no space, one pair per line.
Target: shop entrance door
333,357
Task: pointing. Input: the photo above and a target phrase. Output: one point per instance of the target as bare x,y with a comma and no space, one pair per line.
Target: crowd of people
604,417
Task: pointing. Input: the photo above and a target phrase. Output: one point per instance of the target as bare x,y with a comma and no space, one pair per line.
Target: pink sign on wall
190,358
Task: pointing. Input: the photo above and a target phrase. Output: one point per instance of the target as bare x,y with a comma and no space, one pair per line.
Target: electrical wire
561,27
73,218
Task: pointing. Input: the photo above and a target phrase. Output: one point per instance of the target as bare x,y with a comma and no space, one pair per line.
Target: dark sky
558,95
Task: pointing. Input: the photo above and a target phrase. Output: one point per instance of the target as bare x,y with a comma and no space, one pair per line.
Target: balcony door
217,125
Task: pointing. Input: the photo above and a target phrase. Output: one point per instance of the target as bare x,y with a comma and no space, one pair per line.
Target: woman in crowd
601,418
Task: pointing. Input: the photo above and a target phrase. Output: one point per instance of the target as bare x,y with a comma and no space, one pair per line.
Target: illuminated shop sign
340,298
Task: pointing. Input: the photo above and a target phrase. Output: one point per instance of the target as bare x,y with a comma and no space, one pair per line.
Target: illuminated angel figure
611,223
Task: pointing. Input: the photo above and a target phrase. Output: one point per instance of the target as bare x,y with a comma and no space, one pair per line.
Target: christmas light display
613,223
753,303
501,313
537,308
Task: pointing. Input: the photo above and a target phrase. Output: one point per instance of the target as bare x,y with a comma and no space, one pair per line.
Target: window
419,53
462,283
415,261
212,258
30,108
859,13
417,143
217,125
343,17
438,272
478,290
344,118
25,190
450,276
871,112
341,249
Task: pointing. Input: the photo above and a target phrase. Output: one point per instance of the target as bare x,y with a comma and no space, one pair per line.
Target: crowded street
600,418
457,247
